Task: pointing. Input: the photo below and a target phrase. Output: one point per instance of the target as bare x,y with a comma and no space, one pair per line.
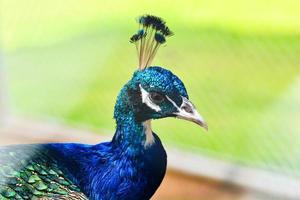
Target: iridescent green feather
27,172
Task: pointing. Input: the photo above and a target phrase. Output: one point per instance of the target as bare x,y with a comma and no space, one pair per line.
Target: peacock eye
156,97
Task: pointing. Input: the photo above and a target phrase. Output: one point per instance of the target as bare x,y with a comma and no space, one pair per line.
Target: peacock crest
151,34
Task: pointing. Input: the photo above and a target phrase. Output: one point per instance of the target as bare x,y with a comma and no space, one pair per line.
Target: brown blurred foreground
176,185
179,186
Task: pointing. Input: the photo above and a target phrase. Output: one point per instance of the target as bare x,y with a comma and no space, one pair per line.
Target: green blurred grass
36,23
240,67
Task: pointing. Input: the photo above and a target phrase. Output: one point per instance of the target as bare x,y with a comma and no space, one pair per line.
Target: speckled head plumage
154,92
146,93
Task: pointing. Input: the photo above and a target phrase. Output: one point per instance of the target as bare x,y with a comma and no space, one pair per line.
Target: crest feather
151,35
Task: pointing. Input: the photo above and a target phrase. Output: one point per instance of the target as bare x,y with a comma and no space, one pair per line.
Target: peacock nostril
188,109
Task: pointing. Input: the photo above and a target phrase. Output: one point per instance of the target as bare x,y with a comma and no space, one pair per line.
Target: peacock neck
130,133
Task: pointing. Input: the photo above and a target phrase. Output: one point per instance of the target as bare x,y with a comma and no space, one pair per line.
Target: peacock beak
187,111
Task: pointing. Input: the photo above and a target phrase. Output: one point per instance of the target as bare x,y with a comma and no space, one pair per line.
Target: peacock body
132,165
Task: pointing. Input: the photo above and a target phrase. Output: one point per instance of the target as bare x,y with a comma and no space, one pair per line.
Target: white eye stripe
174,104
185,101
146,100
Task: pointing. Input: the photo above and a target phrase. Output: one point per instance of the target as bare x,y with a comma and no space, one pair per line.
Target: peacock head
154,92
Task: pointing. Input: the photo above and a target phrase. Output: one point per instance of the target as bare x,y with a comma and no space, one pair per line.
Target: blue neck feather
130,131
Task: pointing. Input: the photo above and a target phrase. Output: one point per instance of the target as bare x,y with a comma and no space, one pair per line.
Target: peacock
129,167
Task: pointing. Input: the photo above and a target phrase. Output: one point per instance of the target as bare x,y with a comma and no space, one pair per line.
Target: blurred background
65,61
